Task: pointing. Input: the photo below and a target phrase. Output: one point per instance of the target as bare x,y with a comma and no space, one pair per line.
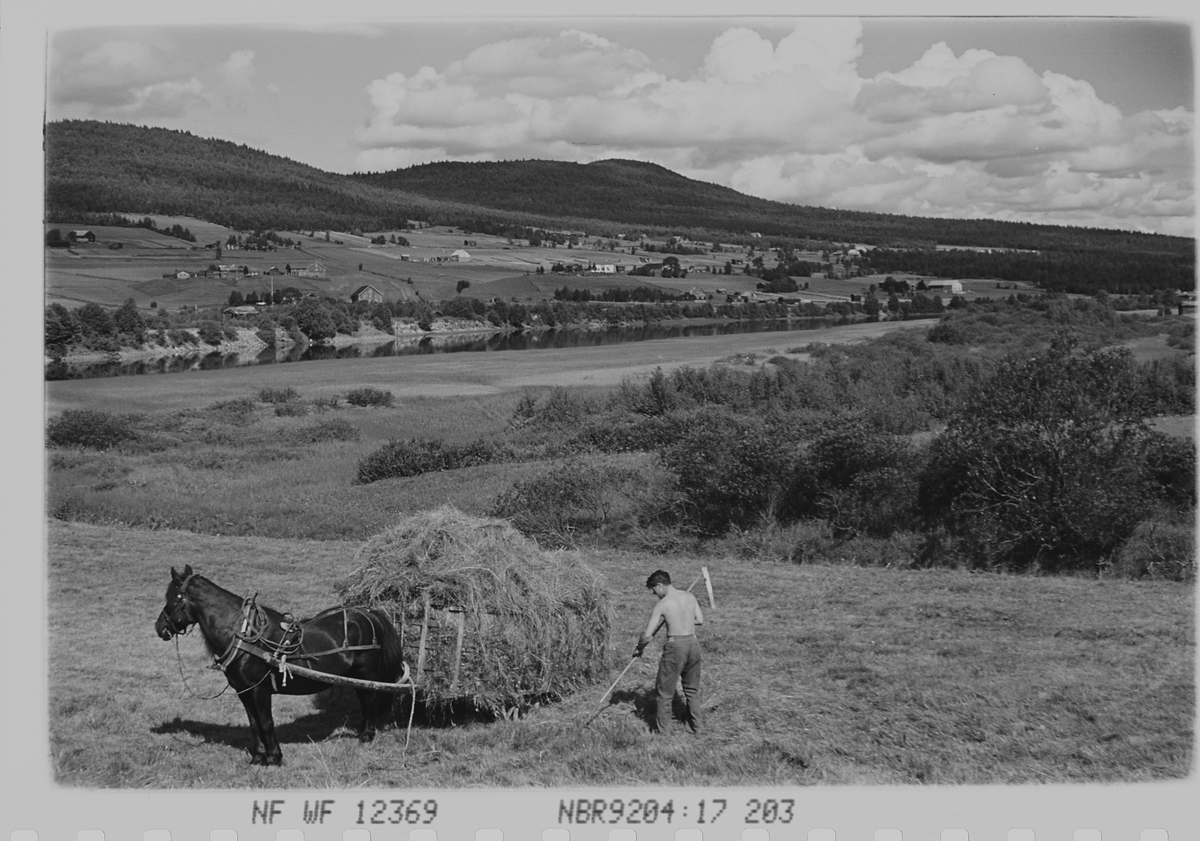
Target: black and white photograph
688,413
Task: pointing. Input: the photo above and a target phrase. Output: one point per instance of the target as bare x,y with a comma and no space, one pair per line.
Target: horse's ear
187,570
174,575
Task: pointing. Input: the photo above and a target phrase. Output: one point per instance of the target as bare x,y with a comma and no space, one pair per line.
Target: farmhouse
244,309
82,236
952,286
604,268
314,269
367,293
460,256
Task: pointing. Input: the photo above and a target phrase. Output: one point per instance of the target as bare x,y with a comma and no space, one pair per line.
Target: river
556,339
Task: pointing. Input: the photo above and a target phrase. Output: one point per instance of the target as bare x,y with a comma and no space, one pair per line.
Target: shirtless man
680,611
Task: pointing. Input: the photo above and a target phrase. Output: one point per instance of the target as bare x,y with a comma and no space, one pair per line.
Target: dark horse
349,642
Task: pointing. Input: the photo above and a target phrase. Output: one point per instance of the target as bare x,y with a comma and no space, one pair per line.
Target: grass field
830,674
812,675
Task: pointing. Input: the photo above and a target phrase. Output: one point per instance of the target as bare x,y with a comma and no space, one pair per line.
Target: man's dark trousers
680,658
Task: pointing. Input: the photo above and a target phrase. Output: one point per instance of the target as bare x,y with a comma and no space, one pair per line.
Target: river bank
451,374
247,344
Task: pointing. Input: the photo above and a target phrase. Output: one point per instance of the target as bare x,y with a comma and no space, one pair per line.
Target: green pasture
813,675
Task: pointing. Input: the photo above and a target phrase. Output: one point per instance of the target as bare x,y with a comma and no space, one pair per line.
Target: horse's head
177,615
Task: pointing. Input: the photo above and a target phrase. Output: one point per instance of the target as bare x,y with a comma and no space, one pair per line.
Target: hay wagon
486,616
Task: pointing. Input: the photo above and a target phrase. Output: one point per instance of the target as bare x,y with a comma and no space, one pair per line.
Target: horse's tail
391,664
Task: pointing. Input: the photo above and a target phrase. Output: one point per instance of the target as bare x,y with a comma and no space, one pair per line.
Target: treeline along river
428,344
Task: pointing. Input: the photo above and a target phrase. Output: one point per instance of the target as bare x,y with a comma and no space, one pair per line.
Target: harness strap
281,651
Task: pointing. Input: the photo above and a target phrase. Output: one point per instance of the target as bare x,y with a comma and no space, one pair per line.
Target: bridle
172,621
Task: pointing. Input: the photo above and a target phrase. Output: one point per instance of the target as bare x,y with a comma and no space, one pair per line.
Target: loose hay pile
484,613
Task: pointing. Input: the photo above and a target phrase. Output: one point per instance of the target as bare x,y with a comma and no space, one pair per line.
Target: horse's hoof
275,760
258,760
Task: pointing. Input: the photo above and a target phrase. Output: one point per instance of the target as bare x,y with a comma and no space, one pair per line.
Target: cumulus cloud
133,79
238,70
972,134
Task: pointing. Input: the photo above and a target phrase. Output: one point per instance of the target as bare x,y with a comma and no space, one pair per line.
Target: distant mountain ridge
97,167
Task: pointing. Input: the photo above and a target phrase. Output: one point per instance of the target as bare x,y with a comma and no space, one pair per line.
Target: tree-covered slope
95,167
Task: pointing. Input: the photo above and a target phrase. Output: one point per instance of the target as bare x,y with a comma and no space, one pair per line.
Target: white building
460,256
954,287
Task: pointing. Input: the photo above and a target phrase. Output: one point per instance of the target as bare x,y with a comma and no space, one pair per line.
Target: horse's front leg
271,752
257,755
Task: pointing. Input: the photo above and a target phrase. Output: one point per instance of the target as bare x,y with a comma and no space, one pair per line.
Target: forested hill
635,193
97,167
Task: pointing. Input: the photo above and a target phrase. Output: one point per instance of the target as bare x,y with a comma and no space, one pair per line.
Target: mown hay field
813,675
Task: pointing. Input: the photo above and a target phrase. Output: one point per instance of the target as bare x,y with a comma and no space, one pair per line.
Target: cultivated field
498,268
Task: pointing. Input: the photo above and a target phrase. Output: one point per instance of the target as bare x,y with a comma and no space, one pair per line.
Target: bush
211,333
862,482
90,428
1045,466
278,395
731,471
291,410
947,332
236,412
1158,549
398,459
370,397
558,506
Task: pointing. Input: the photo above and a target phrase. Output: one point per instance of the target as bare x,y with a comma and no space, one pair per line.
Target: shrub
1045,466
623,433
337,429
237,412
398,459
575,498
948,332
211,333
862,482
370,397
731,471
90,428
1158,549
278,395
291,410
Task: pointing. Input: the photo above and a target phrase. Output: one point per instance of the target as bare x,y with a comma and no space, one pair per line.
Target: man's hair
658,577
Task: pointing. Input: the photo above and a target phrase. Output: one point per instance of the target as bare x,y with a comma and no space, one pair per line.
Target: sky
1079,121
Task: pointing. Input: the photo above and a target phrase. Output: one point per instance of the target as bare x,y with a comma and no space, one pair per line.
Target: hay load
485,614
